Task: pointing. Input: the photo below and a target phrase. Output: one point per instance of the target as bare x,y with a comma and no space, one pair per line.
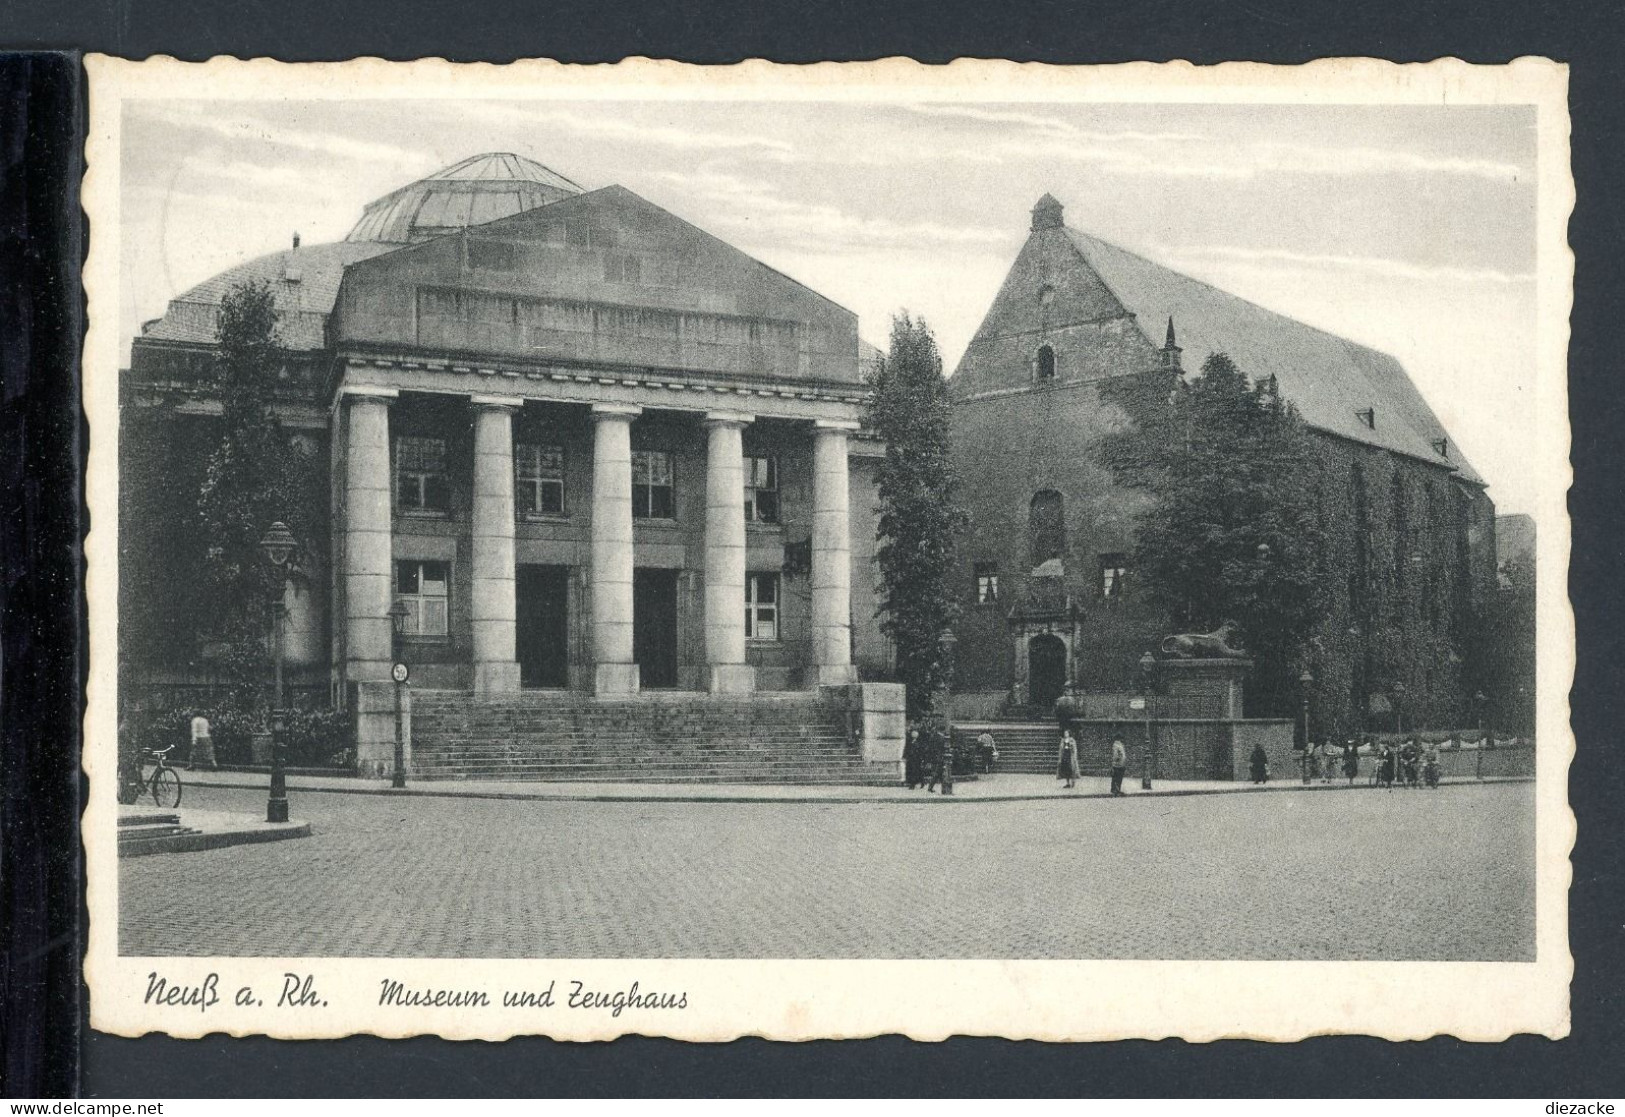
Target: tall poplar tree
920,519
253,478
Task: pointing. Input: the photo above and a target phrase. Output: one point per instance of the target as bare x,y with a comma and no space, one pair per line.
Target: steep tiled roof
304,282
1331,380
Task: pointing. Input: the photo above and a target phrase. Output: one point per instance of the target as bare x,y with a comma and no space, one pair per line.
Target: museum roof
305,279
304,283
1337,385
474,191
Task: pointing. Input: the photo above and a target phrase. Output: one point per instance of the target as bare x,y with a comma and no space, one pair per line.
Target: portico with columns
743,519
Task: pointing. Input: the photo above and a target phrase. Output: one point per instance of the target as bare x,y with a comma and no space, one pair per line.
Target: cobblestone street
1356,874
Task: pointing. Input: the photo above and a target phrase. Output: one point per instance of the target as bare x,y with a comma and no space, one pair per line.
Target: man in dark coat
912,767
1258,764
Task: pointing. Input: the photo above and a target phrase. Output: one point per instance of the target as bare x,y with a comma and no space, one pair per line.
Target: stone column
726,668
614,671
369,582
831,556
496,670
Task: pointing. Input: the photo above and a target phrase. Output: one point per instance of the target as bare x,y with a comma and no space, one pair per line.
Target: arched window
1046,363
1046,527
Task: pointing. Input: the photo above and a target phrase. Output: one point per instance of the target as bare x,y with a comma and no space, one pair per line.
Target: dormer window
1046,295
1442,447
1368,417
1046,363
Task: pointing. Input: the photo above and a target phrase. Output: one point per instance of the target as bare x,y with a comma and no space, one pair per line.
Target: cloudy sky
1408,229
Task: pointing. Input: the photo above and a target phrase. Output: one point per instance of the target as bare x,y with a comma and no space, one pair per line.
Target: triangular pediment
602,277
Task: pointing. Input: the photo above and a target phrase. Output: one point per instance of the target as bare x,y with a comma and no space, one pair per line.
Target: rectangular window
420,474
653,494
987,583
623,269
1113,569
538,479
762,607
761,490
423,587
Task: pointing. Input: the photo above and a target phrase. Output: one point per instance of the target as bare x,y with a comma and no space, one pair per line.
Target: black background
41,516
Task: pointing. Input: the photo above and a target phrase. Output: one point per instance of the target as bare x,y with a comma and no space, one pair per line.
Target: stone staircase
652,738
1029,747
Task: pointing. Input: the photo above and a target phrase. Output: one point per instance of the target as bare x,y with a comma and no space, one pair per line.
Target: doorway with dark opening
1046,670
654,627
542,634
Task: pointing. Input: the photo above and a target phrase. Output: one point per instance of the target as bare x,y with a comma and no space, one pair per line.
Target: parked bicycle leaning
164,784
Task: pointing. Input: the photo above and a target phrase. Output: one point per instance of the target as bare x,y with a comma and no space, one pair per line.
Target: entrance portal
1046,670
542,636
654,626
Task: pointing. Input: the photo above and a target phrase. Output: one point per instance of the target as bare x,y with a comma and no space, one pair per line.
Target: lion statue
1204,645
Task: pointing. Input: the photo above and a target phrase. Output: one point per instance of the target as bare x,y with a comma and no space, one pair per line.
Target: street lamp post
1304,679
1148,664
399,672
948,643
1478,702
278,545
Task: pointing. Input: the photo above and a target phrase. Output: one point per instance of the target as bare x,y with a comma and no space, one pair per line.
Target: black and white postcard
988,549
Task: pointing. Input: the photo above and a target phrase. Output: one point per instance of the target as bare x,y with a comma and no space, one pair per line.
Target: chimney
296,238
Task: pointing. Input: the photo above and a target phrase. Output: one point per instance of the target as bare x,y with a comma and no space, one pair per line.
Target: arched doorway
1046,670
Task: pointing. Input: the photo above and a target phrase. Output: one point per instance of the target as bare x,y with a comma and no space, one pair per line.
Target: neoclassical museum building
1050,592
589,447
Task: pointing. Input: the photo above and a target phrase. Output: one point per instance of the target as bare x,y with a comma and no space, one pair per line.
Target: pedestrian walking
987,751
1385,767
938,753
1258,764
1351,761
1119,765
912,761
1066,710
1067,768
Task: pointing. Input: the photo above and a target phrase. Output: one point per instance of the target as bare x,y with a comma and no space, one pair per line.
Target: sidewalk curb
555,797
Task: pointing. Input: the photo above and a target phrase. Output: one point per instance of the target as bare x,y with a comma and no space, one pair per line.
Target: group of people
1066,769
1413,763
927,756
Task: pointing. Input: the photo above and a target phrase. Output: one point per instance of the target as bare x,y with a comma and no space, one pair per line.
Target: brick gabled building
1049,583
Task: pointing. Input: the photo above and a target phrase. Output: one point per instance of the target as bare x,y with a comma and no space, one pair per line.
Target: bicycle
164,783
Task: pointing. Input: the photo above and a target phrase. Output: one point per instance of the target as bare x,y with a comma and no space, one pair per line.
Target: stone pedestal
727,672
1216,683
372,712
614,671
832,555
496,669
877,714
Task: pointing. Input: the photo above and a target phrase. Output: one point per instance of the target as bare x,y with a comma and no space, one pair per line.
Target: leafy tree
920,522
1507,638
253,478
1231,533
